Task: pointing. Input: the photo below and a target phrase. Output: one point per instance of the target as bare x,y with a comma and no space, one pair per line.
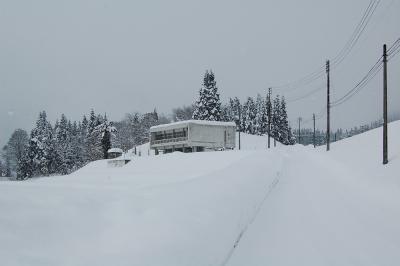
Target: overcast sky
124,56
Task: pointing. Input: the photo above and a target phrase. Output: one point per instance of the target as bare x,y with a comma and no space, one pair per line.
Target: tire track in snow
270,188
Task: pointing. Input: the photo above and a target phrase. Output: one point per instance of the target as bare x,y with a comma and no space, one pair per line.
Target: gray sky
123,56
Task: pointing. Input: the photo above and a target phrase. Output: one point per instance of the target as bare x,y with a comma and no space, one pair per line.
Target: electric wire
375,69
360,28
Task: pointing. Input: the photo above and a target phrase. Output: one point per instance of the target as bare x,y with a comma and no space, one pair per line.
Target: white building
192,136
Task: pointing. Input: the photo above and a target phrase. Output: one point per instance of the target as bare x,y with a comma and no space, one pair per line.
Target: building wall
211,136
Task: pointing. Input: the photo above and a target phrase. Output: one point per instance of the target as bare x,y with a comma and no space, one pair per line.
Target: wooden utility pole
269,117
299,130
328,113
313,116
240,126
385,118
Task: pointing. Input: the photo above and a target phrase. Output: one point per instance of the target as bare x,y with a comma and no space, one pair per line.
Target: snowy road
326,212
285,206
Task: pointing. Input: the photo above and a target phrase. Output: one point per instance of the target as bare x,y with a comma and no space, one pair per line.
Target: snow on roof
115,150
197,122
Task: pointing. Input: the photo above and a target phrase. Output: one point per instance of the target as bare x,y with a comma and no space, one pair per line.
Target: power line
307,79
394,46
394,50
360,85
307,94
360,29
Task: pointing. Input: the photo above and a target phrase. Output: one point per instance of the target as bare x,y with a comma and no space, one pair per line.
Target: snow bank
335,208
174,209
284,206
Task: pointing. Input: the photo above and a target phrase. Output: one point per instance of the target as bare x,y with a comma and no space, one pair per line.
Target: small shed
114,153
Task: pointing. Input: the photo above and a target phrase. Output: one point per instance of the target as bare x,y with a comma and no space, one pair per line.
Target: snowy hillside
284,206
336,208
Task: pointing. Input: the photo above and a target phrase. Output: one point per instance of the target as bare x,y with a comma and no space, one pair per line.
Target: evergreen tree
14,149
249,115
226,113
208,106
5,169
105,131
41,147
268,107
283,123
1,169
26,167
77,147
276,119
182,113
291,137
236,112
64,159
261,117
93,143
84,139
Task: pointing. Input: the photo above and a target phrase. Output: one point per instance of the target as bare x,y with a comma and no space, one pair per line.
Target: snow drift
284,206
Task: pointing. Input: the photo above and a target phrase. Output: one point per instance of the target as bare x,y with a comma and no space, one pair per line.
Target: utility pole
328,117
269,117
313,116
385,118
240,119
299,130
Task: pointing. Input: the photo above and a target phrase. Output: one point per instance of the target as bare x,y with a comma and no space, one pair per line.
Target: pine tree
14,149
84,139
182,113
261,117
41,147
291,137
76,142
208,106
226,113
26,167
276,120
105,131
65,156
283,123
93,143
236,112
92,123
249,116
1,169
268,107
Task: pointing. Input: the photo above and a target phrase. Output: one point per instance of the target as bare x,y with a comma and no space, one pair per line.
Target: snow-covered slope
285,206
336,208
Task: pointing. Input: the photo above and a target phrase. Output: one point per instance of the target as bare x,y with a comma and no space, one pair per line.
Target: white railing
161,141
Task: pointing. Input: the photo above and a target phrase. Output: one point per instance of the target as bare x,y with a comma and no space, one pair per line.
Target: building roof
187,122
118,150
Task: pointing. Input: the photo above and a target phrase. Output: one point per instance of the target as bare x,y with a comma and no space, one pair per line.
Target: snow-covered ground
336,208
284,206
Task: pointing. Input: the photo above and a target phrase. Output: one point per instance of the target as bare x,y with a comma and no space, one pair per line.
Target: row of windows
170,135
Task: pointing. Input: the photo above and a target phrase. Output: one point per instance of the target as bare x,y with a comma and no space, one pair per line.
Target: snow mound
289,205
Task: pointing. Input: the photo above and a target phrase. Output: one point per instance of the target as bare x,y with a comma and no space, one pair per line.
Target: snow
336,208
117,150
284,206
